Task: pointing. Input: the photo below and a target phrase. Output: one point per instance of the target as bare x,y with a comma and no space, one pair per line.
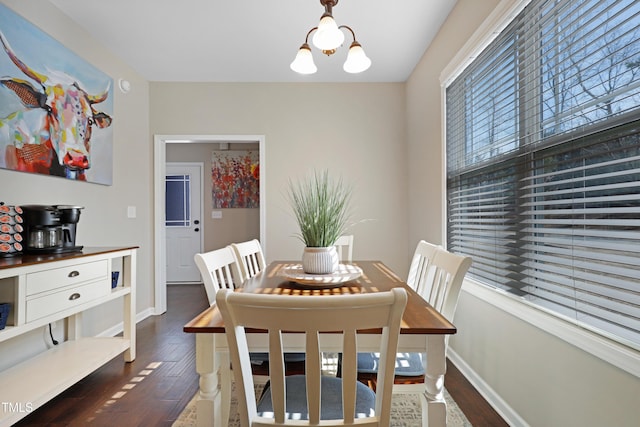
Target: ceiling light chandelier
328,38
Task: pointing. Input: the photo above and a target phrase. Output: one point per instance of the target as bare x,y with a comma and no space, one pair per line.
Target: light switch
216,214
131,211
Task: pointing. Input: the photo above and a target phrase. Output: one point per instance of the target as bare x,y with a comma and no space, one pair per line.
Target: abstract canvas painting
235,179
55,108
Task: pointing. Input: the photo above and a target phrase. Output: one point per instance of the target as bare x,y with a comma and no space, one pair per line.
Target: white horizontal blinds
482,133
484,99
580,223
543,162
589,60
482,223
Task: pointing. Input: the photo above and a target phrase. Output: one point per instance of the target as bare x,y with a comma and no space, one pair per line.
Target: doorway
160,252
183,225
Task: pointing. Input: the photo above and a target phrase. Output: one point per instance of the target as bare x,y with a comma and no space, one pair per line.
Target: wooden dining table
423,330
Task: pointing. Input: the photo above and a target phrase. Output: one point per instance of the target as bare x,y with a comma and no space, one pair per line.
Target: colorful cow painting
53,120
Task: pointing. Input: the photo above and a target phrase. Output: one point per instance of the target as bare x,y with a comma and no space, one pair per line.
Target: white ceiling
256,40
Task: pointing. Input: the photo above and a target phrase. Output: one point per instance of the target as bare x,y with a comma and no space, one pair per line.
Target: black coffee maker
50,228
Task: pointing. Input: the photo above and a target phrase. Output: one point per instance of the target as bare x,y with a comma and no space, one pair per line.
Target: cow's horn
40,78
96,99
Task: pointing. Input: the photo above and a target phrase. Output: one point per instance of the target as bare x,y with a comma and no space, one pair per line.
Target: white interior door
183,213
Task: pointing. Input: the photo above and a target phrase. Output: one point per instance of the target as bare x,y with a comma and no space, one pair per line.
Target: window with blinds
543,162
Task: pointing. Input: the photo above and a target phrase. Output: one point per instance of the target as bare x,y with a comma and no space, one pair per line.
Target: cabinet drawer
42,306
48,280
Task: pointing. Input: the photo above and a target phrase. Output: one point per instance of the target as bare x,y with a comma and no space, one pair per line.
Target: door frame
200,167
159,162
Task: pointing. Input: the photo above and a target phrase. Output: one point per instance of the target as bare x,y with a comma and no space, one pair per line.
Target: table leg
129,328
208,411
225,386
434,380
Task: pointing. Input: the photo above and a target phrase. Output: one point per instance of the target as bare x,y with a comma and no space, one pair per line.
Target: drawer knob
74,273
74,296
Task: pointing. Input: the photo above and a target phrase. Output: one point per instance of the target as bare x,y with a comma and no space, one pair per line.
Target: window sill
619,355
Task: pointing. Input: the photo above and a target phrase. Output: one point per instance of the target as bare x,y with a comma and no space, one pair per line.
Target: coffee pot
51,228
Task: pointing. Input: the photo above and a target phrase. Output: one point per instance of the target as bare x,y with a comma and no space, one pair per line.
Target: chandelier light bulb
357,61
303,63
328,36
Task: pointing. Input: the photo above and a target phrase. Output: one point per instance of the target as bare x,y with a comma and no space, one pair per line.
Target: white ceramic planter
320,260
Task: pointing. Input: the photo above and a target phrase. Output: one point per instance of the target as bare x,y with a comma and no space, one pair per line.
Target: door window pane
178,201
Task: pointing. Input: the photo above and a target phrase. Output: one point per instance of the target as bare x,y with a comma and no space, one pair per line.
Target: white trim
498,20
160,238
160,154
593,343
443,170
494,399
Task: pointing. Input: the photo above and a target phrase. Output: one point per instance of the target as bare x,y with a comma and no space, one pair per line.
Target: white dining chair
287,400
344,246
250,260
407,364
219,270
439,281
443,290
249,257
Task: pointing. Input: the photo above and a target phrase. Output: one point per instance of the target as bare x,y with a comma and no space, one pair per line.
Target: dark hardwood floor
478,411
154,389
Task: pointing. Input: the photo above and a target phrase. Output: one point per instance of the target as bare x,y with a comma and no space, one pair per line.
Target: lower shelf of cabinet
32,383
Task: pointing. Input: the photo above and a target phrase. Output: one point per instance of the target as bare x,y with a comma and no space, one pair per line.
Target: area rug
406,411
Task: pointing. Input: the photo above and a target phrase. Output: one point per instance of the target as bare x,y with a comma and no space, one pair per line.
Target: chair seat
407,364
330,400
258,358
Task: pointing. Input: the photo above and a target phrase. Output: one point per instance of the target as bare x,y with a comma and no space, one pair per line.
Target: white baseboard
494,399
115,330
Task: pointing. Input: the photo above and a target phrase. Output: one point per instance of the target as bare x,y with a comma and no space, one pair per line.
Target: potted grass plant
321,206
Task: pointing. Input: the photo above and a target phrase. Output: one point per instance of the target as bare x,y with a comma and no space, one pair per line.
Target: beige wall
356,131
104,220
236,225
543,380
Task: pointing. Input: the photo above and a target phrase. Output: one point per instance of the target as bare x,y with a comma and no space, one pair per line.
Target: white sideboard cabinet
46,288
